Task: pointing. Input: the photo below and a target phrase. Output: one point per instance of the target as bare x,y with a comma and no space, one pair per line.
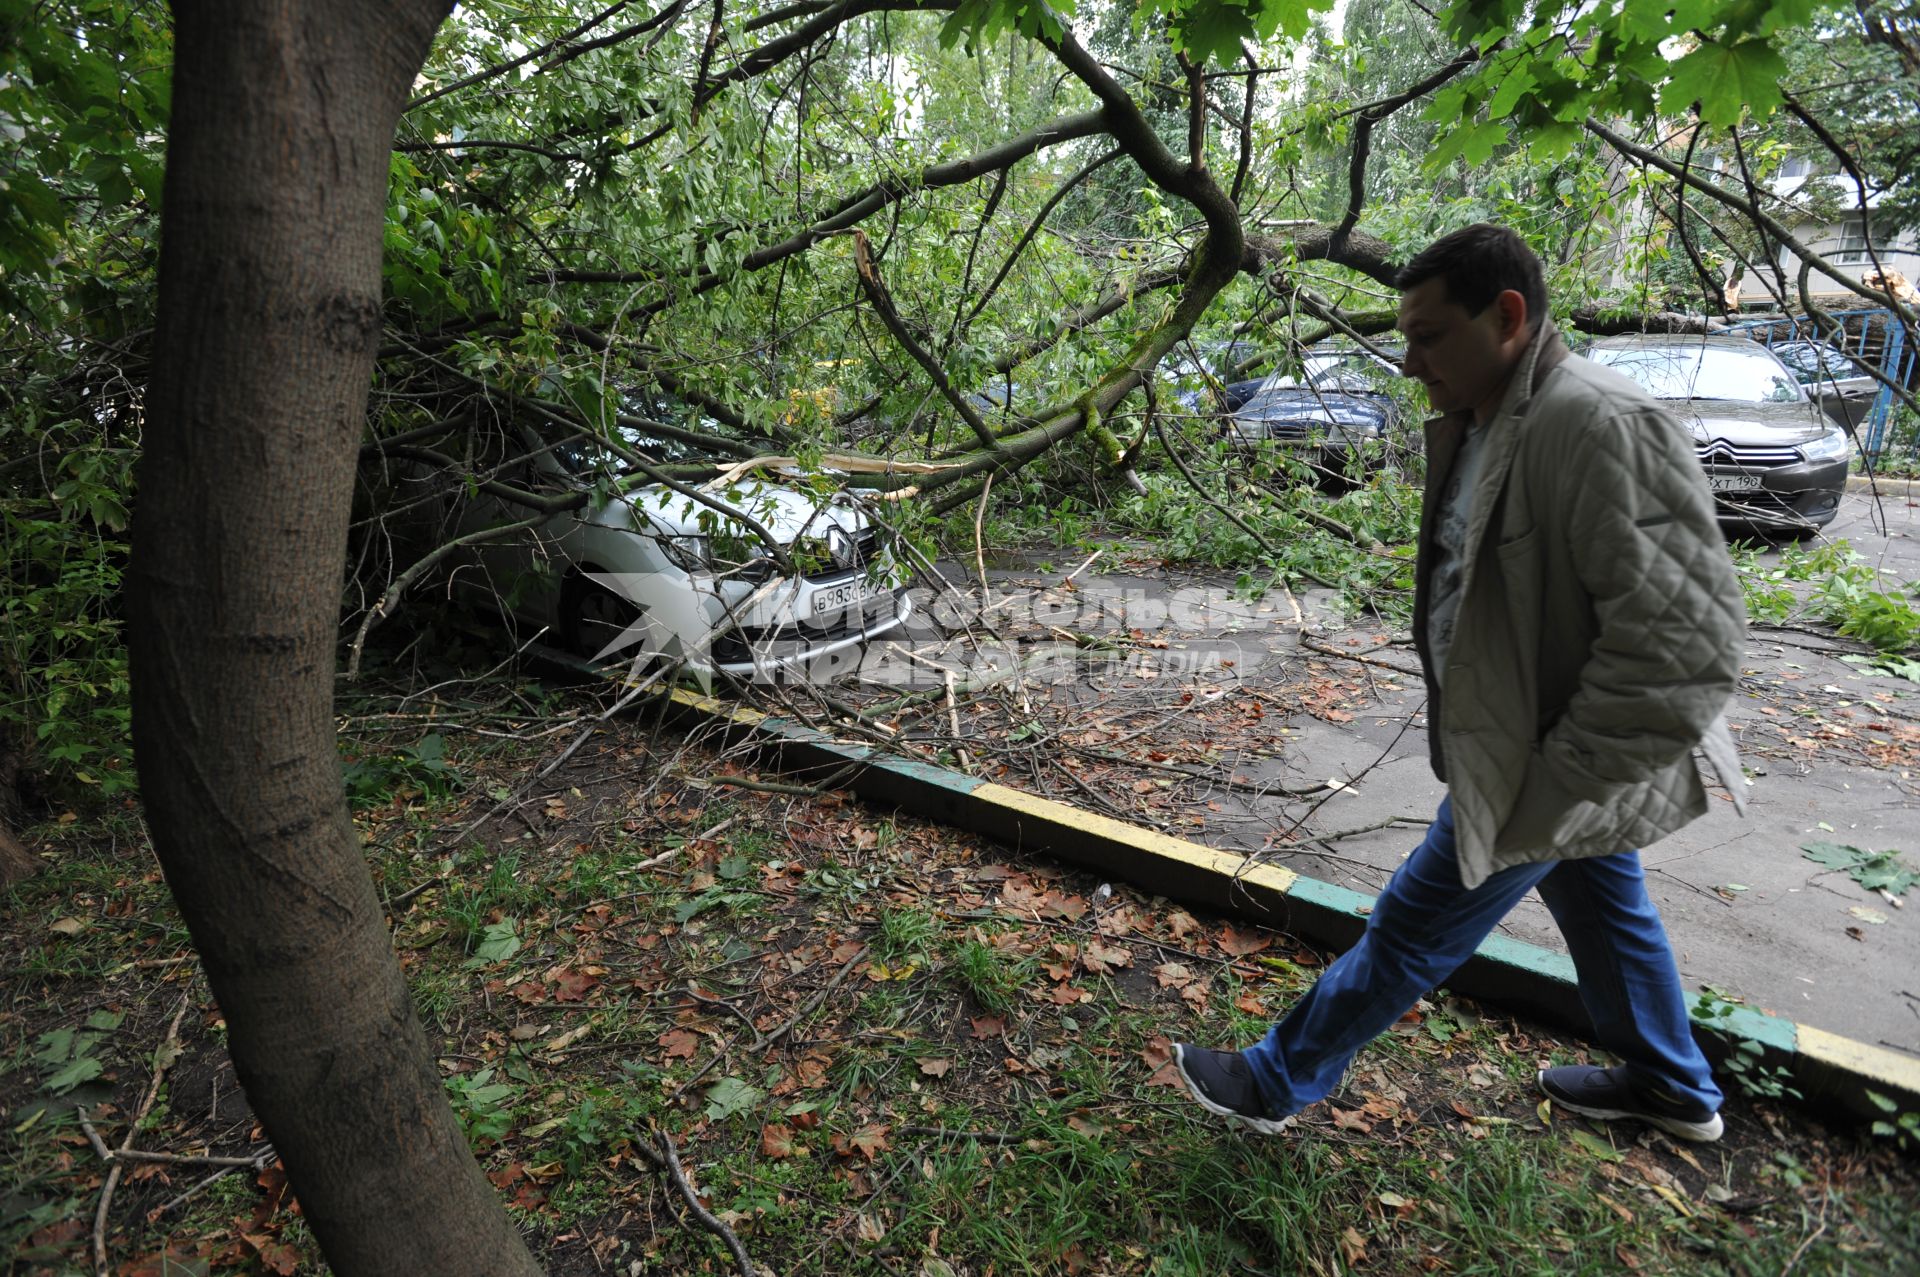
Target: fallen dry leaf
869,1142
776,1140
1242,943
1351,1120
934,1067
1173,975
680,1044
1158,1056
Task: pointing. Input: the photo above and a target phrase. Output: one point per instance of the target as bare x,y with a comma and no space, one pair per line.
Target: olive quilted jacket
1600,624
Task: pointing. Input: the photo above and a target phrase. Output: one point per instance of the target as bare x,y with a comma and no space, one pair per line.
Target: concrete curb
1891,488
1829,1071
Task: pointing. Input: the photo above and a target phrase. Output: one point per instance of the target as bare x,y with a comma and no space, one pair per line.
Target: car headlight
688,552
1833,446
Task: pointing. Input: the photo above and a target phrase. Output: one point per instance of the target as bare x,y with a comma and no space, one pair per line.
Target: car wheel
592,616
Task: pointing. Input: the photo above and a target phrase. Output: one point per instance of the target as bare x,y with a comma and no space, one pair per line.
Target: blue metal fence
1873,338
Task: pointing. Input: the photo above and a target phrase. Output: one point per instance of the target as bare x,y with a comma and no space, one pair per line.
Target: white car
643,571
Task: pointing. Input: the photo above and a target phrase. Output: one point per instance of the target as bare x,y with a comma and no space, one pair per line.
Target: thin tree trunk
283,118
16,862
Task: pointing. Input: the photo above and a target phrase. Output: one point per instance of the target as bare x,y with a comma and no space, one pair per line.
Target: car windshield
1343,372
580,455
1704,372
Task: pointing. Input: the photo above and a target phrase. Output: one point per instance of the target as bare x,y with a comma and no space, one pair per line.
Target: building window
1853,244
1797,166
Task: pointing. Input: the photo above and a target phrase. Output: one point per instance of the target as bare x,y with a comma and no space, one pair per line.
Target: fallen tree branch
391,598
876,290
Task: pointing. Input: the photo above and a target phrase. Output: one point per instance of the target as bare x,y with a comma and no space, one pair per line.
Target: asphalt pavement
1831,747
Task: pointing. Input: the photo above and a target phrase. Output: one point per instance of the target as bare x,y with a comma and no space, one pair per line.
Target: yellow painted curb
1869,1063
1196,856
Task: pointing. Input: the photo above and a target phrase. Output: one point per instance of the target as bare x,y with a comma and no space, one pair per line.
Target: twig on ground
669,1161
979,544
1826,1199
953,717
1360,657
1337,835
170,1159
812,1003
161,1060
194,1191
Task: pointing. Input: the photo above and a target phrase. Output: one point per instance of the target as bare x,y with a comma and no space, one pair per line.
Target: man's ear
1514,320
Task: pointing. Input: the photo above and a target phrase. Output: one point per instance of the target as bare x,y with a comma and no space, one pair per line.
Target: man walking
1579,624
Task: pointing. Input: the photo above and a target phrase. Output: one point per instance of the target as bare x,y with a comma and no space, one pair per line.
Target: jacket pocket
1546,815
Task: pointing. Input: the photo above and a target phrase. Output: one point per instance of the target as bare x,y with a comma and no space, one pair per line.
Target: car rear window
1704,372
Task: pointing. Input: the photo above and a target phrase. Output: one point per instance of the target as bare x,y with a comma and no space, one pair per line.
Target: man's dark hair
1480,262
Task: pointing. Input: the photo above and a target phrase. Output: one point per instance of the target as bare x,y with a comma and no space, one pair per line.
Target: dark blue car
1340,411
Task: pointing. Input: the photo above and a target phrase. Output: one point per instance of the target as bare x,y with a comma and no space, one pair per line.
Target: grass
881,1049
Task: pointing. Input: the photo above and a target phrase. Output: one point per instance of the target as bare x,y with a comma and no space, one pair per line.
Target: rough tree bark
269,316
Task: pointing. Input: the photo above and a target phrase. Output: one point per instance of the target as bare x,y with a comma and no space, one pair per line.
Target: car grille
815,557
1718,452
738,645
1270,429
865,549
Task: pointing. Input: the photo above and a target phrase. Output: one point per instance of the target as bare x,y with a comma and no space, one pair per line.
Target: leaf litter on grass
845,1124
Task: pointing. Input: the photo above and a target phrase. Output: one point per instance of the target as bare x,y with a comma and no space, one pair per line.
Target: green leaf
1552,142
1595,1145
1787,13
55,1047
1211,31
498,942
1518,81
84,1069
1882,1103
1832,854
1725,78
104,1021
730,1095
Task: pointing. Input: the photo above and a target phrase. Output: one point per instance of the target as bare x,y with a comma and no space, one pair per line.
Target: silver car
645,571
1772,458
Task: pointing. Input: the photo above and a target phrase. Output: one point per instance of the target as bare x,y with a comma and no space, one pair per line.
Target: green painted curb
1828,1071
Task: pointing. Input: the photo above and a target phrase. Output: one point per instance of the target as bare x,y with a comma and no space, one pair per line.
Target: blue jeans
1425,924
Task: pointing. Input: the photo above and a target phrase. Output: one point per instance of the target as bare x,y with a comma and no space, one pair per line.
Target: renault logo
840,547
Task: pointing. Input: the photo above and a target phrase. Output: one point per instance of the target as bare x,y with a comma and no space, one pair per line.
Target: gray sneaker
1222,1084
1608,1093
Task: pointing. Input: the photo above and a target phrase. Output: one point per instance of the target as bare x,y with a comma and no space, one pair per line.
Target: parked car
1204,373
1836,381
653,572
1340,411
1772,458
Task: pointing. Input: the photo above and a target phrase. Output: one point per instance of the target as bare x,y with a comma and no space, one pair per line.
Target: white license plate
1734,482
842,597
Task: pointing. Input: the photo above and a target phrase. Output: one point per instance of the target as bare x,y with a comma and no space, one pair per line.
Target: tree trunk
16,862
283,118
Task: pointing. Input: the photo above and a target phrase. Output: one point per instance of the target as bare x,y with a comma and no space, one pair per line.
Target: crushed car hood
1751,424
1279,403
785,511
